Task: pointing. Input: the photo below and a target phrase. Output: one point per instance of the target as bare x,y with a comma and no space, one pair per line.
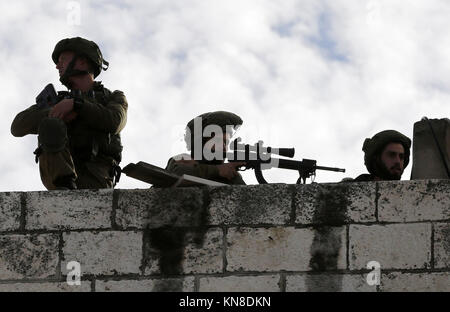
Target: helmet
372,147
81,47
223,119
220,118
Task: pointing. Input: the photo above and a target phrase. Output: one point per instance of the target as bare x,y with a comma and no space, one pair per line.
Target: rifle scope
259,148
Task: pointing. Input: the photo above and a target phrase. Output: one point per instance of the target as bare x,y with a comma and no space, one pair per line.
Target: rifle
259,158
49,97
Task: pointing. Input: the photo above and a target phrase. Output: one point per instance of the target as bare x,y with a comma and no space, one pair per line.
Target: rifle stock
48,97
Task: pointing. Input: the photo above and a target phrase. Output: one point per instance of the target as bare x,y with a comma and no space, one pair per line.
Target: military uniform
91,149
203,168
93,146
365,177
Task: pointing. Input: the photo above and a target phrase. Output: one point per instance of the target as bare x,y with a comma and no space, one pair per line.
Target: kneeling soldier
78,136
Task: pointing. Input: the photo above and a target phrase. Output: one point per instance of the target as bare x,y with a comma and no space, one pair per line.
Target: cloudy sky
320,76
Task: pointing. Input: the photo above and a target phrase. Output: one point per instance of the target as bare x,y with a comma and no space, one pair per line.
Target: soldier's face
219,141
63,61
393,158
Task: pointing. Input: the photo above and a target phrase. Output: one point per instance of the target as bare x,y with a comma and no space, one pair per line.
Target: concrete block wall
288,238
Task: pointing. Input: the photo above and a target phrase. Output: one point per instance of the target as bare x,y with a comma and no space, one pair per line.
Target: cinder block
395,246
335,203
151,285
286,248
9,211
28,256
154,208
262,283
415,282
442,245
45,287
328,283
409,201
81,209
175,251
104,253
252,204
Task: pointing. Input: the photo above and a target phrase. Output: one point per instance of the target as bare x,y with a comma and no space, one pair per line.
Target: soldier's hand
229,171
61,109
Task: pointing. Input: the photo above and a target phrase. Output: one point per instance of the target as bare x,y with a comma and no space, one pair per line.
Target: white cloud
320,76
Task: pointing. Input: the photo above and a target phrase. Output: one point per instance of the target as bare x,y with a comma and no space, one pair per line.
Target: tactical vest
87,143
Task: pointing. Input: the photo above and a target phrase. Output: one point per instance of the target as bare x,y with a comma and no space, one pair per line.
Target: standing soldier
386,155
199,165
79,142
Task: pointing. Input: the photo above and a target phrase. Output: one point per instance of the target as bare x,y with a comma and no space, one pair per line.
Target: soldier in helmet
79,137
386,155
207,138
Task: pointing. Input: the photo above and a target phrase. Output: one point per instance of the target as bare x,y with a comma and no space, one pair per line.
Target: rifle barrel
330,169
281,163
297,165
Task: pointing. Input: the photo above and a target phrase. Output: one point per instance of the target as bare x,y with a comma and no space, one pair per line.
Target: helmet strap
70,72
106,65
